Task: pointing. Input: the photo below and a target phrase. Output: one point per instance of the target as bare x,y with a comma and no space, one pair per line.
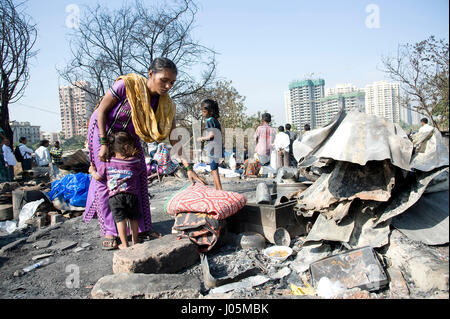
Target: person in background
292,138
10,160
425,126
281,144
3,169
210,111
56,154
26,153
264,137
43,158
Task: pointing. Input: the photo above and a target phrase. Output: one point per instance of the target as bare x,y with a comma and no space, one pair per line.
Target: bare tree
231,105
18,36
108,44
422,69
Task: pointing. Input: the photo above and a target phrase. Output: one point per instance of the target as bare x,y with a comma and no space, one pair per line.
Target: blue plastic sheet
73,188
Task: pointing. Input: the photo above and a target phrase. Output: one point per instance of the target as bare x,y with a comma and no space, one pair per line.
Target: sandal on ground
109,244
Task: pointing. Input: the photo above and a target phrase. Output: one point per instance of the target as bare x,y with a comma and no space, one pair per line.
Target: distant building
76,108
342,88
301,104
287,106
383,99
329,106
50,136
25,129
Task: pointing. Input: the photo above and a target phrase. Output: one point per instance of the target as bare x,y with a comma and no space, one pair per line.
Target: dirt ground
87,266
92,263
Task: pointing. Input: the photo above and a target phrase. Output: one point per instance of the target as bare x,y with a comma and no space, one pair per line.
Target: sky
262,46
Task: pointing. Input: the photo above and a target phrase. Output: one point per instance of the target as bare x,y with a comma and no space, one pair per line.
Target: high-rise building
303,96
25,129
342,88
383,99
76,106
329,106
287,106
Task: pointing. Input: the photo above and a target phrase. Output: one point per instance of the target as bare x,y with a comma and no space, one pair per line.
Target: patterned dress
118,119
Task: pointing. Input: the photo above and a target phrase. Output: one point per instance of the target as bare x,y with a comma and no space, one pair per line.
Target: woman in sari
142,108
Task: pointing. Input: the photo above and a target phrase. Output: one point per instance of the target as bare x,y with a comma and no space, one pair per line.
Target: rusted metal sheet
357,268
430,152
333,193
358,138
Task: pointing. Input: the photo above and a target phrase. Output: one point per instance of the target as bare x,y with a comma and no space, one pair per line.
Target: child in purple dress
122,173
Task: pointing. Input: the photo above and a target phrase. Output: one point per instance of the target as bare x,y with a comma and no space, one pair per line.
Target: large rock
146,286
420,266
163,255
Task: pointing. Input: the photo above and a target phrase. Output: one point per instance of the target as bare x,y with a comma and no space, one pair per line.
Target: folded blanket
199,198
200,228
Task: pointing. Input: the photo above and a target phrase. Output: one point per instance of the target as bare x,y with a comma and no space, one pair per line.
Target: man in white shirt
26,154
281,144
10,160
43,158
425,126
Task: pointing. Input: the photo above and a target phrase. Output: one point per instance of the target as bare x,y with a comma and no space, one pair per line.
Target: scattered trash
8,226
42,263
303,291
37,257
262,194
73,187
278,253
357,268
249,240
329,289
282,237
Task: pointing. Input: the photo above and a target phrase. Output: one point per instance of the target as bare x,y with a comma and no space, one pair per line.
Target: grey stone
64,245
424,269
42,244
37,257
397,286
146,286
162,255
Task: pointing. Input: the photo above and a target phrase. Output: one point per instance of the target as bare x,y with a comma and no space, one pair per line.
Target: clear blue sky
262,45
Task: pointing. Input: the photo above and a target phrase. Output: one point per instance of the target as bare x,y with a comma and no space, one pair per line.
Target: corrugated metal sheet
427,220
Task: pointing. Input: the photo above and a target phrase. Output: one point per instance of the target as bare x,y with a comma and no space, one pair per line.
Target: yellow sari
149,126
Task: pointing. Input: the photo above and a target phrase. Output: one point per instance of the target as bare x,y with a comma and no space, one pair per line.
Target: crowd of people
22,154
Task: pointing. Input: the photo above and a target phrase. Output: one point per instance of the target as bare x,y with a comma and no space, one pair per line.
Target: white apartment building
342,88
329,106
76,108
25,129
383,99
301,105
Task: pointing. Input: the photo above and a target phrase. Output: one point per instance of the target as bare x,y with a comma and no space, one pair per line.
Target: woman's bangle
103,141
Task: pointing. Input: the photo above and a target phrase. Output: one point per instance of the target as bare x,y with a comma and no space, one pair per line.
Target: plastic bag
329,289
27,212
73,188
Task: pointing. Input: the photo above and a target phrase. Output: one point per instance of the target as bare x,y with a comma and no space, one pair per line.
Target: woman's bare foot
123,246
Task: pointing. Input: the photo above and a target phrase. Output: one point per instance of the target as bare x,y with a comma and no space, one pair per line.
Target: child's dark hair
122,143
266,117
212,107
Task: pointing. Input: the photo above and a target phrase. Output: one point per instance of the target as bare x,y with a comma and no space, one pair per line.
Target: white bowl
285,251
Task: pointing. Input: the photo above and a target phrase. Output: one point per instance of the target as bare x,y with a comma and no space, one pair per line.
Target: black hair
212,107
288,126
22,139
122,143
307,127
266,117
43,142
159,64
281,129
424,120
